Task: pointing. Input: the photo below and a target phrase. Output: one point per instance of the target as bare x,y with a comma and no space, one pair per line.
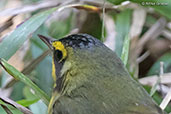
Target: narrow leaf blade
11,43
19,76
125,50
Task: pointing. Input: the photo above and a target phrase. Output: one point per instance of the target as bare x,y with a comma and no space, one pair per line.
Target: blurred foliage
41,75
21,77
157,98
77,20
9,107
163,7
20,34
92,25
125,50
166,59
60,28
123,21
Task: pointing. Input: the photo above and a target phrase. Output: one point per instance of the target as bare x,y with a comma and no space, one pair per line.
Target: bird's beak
47,41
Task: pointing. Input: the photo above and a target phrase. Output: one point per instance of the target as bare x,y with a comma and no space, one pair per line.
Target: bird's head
77,56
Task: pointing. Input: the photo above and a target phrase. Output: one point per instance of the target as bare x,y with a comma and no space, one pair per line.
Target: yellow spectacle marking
59,46
53,71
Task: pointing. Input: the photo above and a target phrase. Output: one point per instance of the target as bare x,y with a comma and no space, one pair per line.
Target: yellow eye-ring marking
59,46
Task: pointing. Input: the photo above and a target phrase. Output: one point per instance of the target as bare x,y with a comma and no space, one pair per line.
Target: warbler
89,78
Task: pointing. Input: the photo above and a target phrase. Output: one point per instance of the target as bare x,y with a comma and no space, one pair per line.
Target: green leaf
30,97
161,6
116,2
125,50
2,110
155,69
19,76
11,43
123,21
28,94
27,102
10,108
37,107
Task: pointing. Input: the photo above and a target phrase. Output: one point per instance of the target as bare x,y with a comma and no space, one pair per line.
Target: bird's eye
60,52
58,55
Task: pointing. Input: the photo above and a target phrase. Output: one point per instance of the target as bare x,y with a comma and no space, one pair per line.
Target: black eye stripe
57,61
58,55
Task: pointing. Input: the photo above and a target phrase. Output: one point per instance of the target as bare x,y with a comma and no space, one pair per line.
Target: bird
89,78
